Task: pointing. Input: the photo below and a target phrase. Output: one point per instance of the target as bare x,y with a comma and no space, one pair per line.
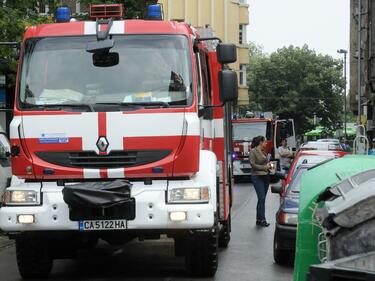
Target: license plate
102,225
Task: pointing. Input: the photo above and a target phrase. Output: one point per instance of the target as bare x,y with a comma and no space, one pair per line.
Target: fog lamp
177,216
26,219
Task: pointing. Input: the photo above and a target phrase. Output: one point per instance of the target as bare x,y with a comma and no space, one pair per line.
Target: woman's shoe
263,223
258,222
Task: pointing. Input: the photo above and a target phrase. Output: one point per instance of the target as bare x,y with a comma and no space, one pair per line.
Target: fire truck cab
121,130
245,129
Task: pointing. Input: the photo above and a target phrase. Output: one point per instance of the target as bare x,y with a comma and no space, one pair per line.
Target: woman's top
258,161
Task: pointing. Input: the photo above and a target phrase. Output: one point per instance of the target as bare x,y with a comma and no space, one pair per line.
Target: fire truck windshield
151,69
247,131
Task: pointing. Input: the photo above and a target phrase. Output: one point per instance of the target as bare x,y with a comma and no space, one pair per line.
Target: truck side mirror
228,85
226,53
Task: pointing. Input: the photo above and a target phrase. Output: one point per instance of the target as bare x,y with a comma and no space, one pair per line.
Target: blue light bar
63,14
154,12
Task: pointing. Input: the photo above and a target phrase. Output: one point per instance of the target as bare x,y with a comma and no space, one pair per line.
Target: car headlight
21,197
189,195
288,218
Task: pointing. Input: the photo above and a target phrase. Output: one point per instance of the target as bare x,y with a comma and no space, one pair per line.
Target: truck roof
118,27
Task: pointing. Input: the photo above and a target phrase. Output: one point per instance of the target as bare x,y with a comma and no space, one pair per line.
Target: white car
5,169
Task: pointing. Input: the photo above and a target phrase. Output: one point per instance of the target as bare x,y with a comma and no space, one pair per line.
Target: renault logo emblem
102,144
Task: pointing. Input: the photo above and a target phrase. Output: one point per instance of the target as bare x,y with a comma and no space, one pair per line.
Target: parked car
287,218
309,157
5,170
324,146
287,215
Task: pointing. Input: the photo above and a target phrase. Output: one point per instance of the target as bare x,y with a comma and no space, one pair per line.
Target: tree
297,83
15,17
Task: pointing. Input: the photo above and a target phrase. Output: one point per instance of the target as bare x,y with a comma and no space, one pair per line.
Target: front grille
91,160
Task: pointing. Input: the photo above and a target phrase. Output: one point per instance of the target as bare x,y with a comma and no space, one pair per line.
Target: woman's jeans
261,184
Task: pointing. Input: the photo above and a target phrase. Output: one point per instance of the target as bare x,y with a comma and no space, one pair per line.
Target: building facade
227,18
366,79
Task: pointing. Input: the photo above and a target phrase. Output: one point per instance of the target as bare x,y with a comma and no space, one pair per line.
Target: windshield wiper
60,106
148,104
320,163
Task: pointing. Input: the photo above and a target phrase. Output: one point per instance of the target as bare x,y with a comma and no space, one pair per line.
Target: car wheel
281,257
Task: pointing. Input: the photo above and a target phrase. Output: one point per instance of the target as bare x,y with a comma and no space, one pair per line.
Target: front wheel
281,257
224,234
202,257
33,257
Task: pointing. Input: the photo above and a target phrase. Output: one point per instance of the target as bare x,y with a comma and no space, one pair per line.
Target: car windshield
248,131
151,69
311,159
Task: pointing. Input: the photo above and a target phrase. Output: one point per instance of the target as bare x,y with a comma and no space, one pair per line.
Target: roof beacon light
155,12
106,11
63,14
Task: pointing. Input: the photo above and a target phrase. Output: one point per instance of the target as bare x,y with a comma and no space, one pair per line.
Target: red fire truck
121,129
245,129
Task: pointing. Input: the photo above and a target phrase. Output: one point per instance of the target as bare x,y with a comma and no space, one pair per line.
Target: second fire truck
245,129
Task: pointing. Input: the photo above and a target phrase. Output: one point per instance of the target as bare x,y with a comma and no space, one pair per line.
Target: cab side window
207,100
206,84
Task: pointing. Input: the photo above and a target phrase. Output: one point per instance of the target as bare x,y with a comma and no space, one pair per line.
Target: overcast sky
322,24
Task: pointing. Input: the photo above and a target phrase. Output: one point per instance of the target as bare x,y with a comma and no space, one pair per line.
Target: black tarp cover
97,194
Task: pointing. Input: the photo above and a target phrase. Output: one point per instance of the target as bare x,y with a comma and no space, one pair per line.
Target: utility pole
359,59
345,52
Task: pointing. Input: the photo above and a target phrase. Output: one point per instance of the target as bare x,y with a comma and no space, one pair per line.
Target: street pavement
248,257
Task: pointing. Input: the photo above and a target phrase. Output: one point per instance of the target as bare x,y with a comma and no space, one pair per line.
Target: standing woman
260,176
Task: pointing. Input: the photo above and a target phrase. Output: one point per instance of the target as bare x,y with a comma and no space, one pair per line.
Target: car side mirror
226,53
276,189
281,176
228,85
4,154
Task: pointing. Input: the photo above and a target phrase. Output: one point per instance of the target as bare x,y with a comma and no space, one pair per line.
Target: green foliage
15,17
297,83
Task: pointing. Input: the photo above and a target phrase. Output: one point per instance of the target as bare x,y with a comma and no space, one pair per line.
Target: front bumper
286,237
152,211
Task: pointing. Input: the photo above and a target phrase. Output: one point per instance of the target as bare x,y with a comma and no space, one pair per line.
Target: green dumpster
314,182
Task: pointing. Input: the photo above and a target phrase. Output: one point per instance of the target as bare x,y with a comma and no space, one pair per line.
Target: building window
43,9
242,35
78,7
243,76
243,1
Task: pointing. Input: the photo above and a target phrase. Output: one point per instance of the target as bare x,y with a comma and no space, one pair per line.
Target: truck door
284,129
5,170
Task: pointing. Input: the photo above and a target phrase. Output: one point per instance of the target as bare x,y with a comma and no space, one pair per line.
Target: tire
224,234
33,258
281,257
202,256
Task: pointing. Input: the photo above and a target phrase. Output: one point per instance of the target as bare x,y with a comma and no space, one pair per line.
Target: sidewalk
5,242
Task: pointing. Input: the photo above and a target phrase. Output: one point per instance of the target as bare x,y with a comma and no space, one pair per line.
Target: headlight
20,197
186,195
287,218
